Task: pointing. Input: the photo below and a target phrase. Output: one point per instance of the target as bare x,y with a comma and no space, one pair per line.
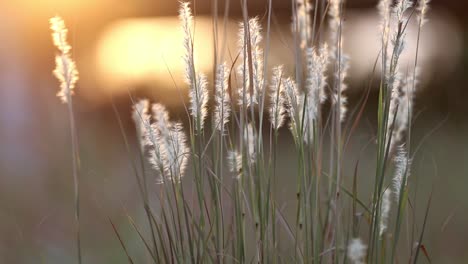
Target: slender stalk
75,169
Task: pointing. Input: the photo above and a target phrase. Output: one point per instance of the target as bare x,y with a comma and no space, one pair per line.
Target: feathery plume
59,34
385,210
340,75
151,132
385,10
336,27
157,135
165,140
314,86
256,52
67,74
157,162
402,171
302,24
343,107
199,100
398,38
402,91
65,70
222,100
401,7
405,107
357,251
395,99
234,159
141,118
401,108
277,101
334,12
341,60
197,81
316,66
161,124
250,139
171,145
294,102
186,19
175,152
398,110
423,7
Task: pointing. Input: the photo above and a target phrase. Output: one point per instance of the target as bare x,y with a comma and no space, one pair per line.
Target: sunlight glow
143,51
60,6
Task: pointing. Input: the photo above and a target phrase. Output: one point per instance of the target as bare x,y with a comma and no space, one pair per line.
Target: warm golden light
143,51
35,7
364,47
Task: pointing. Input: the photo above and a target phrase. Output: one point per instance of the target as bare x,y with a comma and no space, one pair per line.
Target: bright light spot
143,51
439,45
35,7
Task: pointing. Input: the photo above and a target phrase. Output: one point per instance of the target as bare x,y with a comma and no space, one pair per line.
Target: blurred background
124,47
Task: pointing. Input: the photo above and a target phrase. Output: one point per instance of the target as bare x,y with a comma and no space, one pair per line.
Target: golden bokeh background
134,47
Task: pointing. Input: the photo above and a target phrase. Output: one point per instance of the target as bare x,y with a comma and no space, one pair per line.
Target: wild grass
232,213
67,74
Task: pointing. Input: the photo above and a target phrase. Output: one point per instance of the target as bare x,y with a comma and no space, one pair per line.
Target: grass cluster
230,212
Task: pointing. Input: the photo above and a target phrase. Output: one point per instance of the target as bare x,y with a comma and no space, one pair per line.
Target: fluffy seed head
401,108
170,154
67,74
340,75
423,7
164,141
402,171
59,34
197,81
335,25
161,119
256,55
401,7
385,9
250,139
234,159
357,251
316,66
392,112
156,137
65,68
149,134
175,153
199,100
340,59
294,102
385,210
277,108
222,100
186,20
142,120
